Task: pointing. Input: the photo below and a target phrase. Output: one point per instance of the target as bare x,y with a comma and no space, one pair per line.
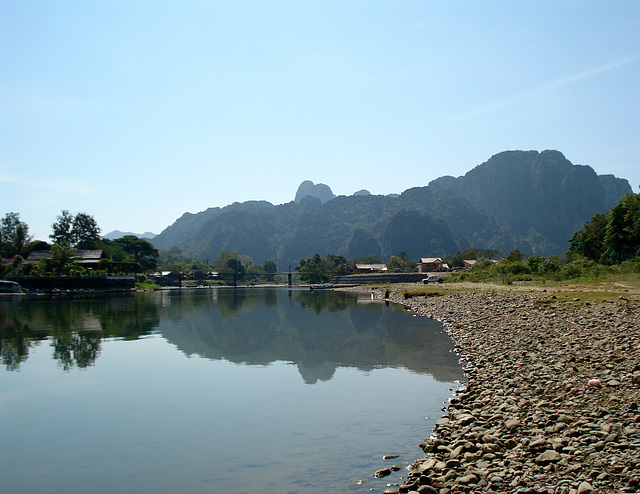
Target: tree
8,225
14,236
61,259
319,269
62,229
515,256
235,268
199,270
269,267
142,251
622,233
80,231
85,231
401,263
171,256
589,241
611,238
231,265
113,250
371,259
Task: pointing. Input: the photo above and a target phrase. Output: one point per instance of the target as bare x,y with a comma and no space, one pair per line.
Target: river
244,390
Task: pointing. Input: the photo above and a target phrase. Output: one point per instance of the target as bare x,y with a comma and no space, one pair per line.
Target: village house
468,263
430,264
85,258
88,258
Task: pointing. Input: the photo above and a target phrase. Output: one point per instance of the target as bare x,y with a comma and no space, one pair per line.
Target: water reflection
316,331
74,327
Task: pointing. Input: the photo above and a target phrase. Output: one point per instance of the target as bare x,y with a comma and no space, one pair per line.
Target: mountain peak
320,191
362,192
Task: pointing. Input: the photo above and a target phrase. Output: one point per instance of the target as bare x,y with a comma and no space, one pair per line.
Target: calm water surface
219,391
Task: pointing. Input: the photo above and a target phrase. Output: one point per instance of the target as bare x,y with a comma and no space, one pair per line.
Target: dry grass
624,289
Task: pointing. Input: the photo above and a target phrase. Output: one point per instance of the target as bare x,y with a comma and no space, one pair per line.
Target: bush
513,267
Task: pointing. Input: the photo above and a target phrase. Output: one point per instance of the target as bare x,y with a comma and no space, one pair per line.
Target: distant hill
517,199
363,192
118,234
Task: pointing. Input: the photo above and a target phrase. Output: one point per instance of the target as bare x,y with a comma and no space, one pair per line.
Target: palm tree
61,259
19,242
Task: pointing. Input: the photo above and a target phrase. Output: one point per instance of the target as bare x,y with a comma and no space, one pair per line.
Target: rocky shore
552,400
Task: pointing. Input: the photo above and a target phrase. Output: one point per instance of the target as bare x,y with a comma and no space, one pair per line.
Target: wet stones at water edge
528,420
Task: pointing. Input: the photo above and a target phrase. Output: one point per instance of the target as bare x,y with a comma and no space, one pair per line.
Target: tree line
70,234
606,240
606,244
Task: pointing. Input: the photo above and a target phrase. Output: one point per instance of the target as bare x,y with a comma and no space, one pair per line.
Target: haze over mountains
530,200
118,234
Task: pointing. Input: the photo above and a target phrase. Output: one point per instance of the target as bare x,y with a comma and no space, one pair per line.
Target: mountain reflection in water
317,331
215,390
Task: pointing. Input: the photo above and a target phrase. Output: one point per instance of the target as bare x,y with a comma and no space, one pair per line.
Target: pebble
530,418
383,472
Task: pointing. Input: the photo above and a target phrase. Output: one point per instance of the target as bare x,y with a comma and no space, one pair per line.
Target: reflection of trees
14,349
75,326
318,331
129,317
324,300
235,301
15,337
79,349
14,345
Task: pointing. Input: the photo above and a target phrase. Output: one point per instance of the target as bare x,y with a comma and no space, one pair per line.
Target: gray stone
465,420
547,457
565,419
457,452
512,423
538,443
427,489
468,479
585,488
426,465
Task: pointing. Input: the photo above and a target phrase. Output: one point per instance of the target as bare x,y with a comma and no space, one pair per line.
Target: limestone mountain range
530,200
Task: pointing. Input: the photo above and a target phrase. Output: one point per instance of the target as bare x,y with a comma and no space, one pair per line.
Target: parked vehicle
433,279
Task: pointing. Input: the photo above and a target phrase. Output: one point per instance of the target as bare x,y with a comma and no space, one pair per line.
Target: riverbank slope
553,394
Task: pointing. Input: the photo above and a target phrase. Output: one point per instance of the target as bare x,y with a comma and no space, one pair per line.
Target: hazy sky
137,111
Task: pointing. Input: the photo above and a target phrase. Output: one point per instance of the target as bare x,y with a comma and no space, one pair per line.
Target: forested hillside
517,199
541,198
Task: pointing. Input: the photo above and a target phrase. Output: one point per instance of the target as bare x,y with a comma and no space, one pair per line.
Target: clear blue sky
137,111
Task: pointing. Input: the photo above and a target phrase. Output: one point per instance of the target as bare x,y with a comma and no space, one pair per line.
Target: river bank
552,400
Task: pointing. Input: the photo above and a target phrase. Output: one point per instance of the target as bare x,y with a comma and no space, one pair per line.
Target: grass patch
144,286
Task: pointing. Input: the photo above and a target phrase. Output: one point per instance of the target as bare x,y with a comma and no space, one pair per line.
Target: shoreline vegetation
551,403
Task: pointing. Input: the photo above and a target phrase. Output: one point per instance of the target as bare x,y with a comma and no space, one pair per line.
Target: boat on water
320,287
7,286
